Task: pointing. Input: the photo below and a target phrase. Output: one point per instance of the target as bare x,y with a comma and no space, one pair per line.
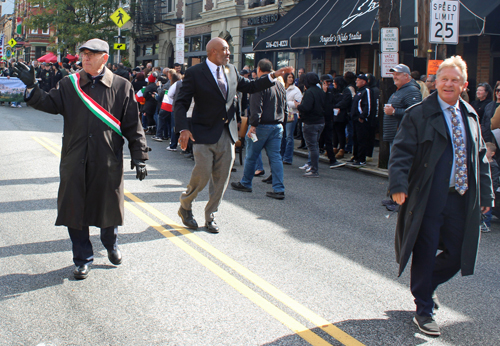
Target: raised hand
25,74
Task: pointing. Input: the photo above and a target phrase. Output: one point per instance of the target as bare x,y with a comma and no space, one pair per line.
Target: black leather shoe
187,218
259,174
81,272
115,256
212,226
275,195
268,180
240,187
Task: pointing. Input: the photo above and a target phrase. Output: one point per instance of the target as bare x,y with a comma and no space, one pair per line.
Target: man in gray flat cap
99,110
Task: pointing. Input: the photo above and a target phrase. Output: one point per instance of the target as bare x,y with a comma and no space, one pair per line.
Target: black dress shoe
259,174
275,195
115,256
81,272
212,226
240,187
268,180
187,218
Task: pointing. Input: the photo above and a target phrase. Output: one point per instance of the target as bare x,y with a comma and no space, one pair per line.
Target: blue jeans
162,124
349,133
290,127
173,137
269,138
259,165
312,133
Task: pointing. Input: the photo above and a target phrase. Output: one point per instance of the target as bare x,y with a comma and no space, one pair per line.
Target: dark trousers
361,138
327,137
446,231
372,132
82,247
339,135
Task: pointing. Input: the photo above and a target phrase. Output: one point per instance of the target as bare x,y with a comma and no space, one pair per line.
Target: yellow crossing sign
120,46
120,17
12,42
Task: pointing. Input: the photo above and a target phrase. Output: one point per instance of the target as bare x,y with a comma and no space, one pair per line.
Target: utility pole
388,16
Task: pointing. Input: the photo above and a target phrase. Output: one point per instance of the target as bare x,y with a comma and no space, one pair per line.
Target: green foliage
74,21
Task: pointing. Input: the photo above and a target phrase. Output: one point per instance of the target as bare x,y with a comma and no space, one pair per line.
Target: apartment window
34,31
45,31
193,9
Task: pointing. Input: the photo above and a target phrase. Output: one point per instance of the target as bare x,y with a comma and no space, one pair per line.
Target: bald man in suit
213,85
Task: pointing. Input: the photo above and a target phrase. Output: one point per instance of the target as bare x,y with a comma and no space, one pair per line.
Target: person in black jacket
46,78
373,117
327,134
56,76
484,95
360,114
312,113
150,105
341,106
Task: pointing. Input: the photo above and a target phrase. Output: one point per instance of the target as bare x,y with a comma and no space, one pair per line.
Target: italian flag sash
165,105
94,107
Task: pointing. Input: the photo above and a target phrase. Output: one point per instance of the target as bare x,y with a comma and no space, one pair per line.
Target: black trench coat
419,144
91,170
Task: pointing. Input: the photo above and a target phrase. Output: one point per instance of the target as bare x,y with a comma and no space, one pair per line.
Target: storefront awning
326,23
320,23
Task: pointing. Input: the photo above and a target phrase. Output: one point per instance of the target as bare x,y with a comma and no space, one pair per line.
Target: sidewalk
371,167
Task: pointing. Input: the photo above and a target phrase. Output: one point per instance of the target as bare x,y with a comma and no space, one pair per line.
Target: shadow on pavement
16,284
61,245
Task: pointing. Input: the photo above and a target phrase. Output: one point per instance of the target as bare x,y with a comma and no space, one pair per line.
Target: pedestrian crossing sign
120,46
12,42
120,17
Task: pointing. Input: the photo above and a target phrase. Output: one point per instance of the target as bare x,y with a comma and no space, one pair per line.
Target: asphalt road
316,268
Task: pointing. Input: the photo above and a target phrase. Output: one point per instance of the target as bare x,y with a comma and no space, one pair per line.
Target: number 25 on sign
445,16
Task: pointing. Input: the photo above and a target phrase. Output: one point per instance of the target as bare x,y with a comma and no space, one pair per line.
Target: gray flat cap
400,68
95,45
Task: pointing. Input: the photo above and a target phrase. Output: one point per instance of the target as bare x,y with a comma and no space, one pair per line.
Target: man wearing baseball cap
406,95
91,188
360,114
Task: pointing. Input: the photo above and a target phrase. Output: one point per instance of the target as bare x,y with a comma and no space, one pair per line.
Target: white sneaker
306,166
485,228
171,149
19,106
13,105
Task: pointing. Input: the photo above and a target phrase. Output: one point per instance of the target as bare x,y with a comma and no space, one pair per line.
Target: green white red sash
94,107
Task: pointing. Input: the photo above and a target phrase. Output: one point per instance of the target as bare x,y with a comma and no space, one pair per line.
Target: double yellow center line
273,310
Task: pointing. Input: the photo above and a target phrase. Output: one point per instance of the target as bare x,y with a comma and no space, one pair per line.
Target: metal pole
119,35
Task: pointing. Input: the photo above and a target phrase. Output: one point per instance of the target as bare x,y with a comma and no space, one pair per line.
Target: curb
369,170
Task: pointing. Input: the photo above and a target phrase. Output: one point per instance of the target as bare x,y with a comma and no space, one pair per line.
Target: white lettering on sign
277,44
444,23
366,7
339,38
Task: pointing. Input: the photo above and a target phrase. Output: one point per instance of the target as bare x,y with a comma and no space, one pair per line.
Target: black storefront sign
266,19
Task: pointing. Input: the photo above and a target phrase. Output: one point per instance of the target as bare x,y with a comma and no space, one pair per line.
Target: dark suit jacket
211,110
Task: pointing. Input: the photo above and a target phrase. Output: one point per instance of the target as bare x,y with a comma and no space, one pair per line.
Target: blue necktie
460,154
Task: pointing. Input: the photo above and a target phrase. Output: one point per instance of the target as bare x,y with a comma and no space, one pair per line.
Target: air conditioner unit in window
253,4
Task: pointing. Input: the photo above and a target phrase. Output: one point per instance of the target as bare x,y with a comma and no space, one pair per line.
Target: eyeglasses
90,55
497,90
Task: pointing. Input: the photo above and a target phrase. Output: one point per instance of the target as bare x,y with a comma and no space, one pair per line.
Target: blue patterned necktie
220,82
460,153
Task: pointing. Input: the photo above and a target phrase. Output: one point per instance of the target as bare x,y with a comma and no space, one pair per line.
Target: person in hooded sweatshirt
312,114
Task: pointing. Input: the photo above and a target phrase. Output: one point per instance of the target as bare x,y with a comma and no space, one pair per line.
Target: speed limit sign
444,21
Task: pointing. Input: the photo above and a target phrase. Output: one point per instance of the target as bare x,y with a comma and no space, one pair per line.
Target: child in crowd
491,148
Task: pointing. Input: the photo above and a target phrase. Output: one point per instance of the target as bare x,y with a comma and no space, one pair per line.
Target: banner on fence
11,90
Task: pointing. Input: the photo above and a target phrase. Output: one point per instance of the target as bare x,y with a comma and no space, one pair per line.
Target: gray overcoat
418,146
91,169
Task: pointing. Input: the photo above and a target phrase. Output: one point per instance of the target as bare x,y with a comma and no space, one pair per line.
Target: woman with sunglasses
490,119
484,95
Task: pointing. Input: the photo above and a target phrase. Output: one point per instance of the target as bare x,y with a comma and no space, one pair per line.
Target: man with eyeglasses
430,82
99,110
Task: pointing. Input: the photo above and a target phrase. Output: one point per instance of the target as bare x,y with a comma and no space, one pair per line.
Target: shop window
193,9
195,44
186,45
206,39
249,60
248,37
282,60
